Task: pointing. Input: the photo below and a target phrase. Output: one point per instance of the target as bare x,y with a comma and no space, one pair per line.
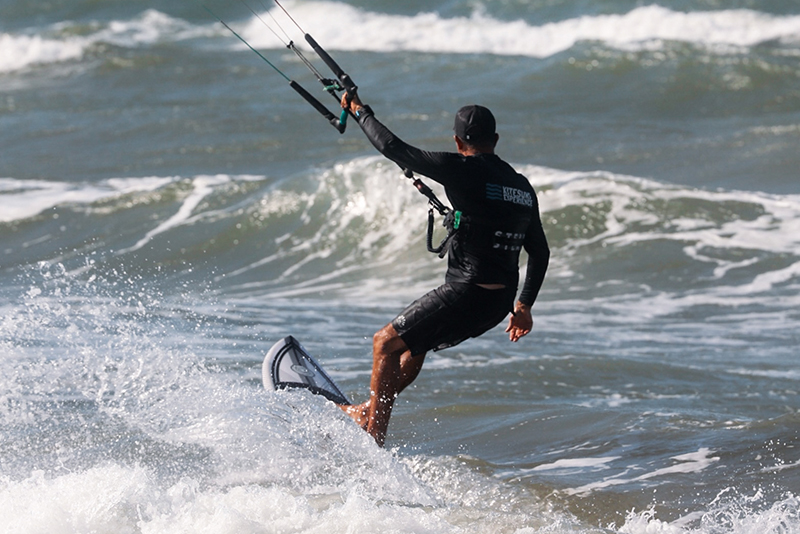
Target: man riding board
498,216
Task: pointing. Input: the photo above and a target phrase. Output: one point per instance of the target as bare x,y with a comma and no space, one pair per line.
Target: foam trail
685,463
203,186
29,198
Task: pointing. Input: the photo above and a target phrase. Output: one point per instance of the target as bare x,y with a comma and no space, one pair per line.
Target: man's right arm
432,164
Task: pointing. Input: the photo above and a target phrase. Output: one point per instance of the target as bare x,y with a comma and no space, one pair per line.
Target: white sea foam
58,43
149,27
114,498
201,187
644,27
480,33
777,230
156,442
358,207
353,212
685,463
730,512
26,198
778,374
576,464
635,212
20,51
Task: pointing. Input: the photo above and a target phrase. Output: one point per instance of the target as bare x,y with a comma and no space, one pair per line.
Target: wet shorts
450,314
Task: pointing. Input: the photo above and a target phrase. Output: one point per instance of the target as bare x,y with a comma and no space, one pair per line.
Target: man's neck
466,149
471,151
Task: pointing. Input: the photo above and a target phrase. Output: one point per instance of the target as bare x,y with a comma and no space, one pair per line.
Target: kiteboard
287,365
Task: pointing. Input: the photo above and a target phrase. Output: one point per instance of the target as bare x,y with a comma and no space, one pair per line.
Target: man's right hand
351,103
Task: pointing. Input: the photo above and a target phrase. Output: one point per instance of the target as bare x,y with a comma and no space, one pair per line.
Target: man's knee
387,341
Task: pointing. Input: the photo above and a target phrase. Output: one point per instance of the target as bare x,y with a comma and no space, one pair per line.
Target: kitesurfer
495,215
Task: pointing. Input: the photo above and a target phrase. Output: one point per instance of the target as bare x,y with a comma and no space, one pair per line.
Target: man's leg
385,382
410,366
393,370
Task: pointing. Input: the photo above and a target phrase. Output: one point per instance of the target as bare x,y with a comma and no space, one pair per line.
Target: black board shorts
450,314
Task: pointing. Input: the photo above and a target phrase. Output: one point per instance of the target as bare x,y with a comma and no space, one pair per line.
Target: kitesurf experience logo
509,194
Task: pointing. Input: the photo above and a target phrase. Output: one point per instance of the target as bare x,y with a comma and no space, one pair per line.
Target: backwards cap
475,124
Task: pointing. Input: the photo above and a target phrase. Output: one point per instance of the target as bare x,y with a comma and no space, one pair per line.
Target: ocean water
169,209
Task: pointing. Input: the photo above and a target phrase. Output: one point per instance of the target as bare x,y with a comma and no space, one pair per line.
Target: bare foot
358,413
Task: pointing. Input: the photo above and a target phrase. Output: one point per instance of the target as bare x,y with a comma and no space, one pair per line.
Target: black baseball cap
475,124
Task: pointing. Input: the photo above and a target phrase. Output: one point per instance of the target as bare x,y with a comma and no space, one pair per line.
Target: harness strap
452,221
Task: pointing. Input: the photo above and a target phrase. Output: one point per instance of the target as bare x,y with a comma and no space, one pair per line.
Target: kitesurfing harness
452,219
343,82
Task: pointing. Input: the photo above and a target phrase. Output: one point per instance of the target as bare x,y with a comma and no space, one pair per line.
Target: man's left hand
520,322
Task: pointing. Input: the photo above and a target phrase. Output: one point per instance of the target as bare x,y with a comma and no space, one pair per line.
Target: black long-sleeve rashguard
499,207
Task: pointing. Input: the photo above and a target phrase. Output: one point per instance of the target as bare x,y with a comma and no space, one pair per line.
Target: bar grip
344,78
325,112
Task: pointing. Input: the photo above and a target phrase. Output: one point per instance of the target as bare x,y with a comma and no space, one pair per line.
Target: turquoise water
169,209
